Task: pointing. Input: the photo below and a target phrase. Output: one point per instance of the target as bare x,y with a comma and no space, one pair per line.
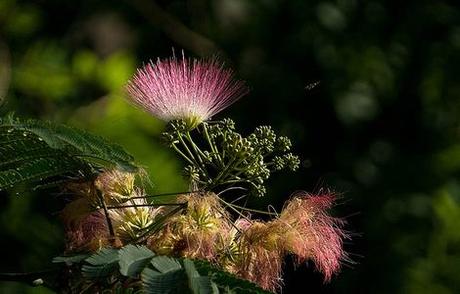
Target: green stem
240,181
193,161
145,205
182,154
181,140
163,194
106,212
253,210
29,278
236,179
235,166
212,145
234,209
222,173
153,228
208,139
199,154
197,149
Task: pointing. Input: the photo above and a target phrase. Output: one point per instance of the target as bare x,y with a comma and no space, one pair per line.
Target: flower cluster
203,224
107,211
249,248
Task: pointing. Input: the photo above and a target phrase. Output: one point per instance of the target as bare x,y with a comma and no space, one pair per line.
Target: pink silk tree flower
188,89
89,232
200,232
261,256
312,234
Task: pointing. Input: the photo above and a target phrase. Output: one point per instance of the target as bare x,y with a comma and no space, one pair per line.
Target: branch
33,278
106,212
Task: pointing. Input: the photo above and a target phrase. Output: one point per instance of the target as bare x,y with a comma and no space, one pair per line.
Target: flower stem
182,154
163,194
197,149
222,173
253,210
234,209
199,154
212,145
145,205
181,140
106,212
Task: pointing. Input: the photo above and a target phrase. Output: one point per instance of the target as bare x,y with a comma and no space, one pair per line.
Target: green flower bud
278,163
169,139
228,124
259,190
259,180
192,173
263,139
264,172
179,125
283,144
292,161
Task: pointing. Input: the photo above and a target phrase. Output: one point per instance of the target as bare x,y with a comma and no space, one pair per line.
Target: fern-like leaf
197,283
33,152
227,282
162,274
133,259
165,264
75,141
169,282
39,169
101,264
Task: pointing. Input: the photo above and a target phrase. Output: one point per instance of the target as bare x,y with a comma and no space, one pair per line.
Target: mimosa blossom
188,89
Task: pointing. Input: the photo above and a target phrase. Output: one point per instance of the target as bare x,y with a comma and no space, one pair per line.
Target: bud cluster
226,158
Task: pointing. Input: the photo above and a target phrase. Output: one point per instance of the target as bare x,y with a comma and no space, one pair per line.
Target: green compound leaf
36,152
227,282
101,264
133,259
69,260
159,274
39,169
74,141
165,264
197,283
173,281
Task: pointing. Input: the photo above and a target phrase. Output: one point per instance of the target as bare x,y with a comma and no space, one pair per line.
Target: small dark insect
312,85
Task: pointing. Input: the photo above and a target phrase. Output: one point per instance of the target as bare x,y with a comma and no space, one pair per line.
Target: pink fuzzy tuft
314,234
184,89
89,232
261,255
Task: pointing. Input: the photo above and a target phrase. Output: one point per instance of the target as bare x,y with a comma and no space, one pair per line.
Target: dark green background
382,126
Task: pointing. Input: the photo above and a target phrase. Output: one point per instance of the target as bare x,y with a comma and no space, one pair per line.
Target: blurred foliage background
382,127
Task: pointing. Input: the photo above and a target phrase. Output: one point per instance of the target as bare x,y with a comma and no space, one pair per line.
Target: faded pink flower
187,89
313,234
200,232
261,254
89,232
